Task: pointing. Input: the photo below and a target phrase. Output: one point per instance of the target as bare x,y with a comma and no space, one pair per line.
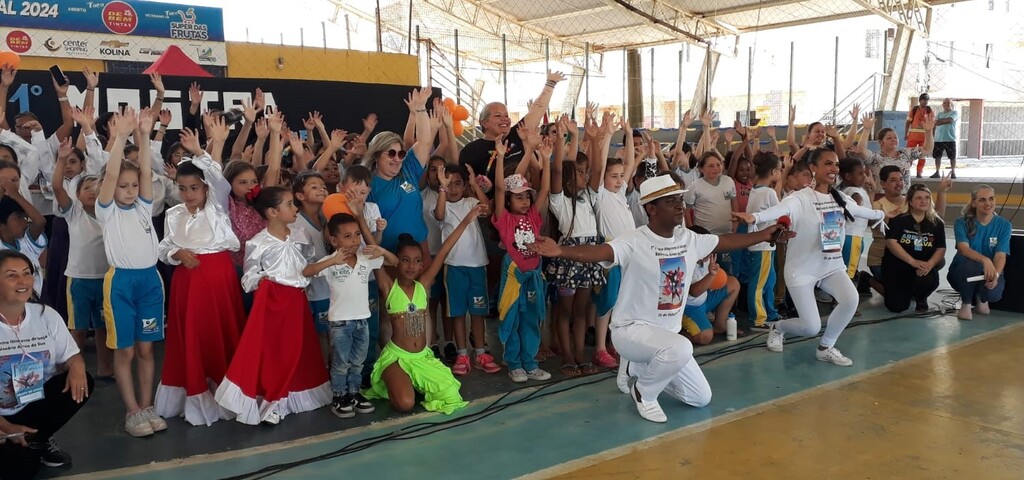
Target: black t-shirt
480,154
919,240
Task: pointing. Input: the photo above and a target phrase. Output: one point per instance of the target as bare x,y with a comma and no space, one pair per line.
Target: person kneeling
712,289
915,252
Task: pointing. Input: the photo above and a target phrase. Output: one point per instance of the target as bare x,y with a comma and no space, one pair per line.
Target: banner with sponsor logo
116,30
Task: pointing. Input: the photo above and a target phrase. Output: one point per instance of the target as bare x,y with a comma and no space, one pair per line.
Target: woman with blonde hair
982,245
915,252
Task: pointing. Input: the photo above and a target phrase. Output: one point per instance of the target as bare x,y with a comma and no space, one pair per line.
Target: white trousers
662,361
808,324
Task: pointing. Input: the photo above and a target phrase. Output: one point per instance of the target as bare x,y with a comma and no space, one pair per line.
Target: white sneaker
622,378
834,356
776,338
965,312
518,375
650,411
137,424
983,308
538,374
155,421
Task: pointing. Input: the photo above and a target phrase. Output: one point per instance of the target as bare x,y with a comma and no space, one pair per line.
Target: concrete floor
954,413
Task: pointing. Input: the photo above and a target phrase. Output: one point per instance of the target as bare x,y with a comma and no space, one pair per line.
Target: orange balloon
460,113
10,59
334,204
457,128
721,278
449,104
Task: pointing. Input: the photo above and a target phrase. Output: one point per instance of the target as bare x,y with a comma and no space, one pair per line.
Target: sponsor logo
150,51
113,44
76,47
187,28
120,18
19,41
51,44
207,55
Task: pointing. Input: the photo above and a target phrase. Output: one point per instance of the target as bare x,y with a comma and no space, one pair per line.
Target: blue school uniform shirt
987,240
400,203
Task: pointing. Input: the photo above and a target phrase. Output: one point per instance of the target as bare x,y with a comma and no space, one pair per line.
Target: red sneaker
461,366
485,362
605,360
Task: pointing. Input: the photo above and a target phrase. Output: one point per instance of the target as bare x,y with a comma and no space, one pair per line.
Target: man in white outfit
657,263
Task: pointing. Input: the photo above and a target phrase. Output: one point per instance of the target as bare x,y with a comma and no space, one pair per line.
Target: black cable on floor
428,428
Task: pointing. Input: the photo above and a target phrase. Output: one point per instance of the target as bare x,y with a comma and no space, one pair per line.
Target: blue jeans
962,269
350,340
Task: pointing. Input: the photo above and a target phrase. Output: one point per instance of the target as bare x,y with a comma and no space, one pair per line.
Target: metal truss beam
911,14
708,14
563,16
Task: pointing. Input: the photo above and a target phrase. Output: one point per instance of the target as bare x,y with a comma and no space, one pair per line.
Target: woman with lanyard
915,252
819,215
397,174
35,400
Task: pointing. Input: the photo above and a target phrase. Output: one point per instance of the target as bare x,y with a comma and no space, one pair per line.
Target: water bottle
730,327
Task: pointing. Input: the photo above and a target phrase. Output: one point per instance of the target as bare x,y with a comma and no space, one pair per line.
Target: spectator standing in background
945,138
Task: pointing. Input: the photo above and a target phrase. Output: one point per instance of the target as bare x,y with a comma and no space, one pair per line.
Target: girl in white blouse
205,313
277,368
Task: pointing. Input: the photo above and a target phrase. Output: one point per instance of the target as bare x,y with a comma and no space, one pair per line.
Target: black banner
343,104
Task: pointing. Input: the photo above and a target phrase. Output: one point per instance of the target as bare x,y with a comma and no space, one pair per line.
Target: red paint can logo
19,41
120,18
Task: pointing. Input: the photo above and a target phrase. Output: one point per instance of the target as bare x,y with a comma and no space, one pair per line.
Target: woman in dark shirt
915,252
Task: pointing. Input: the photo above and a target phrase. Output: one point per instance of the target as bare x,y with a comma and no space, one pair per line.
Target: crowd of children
275,272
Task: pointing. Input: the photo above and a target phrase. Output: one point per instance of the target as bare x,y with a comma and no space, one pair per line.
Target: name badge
27,378
918,244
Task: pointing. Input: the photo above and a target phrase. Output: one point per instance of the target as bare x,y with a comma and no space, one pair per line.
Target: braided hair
814,158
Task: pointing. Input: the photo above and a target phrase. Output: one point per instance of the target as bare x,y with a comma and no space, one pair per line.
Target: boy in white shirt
465,270
347,272
761,257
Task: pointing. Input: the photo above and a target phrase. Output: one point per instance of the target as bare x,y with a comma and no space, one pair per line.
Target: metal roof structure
564,29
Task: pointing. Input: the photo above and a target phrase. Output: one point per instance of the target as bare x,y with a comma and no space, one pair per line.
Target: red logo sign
19,41
120,18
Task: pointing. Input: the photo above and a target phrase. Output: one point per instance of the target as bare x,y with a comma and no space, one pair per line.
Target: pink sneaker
461,366
605,360
485,362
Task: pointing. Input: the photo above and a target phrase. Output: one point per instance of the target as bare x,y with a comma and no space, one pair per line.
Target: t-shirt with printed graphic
988,239
518,231
652,263
919,240
42,335
348,285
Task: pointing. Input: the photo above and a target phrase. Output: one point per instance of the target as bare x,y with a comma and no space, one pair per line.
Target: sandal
571,370
587,368
545,353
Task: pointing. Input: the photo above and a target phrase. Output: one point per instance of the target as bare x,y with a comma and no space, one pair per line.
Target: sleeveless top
412,312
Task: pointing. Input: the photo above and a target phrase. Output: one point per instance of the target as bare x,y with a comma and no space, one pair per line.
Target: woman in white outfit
819,215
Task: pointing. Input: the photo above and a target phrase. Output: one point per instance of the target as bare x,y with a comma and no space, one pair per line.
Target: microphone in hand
784,222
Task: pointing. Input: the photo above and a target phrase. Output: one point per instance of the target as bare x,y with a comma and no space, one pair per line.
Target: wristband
442,190
420,110
90,89
551,83
159,99
62,99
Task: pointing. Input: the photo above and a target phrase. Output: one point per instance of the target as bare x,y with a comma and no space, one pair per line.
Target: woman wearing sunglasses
915,252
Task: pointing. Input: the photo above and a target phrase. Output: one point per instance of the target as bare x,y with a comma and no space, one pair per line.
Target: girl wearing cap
819,215
205,316
659,257
521,290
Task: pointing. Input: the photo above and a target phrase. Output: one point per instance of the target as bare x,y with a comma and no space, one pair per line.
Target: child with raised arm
21,223
87,262
277,369
134,308
205,308
522,288
348,272
465,270
406,365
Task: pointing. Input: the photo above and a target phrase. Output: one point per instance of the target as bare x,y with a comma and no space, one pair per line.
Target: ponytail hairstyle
765,163
814,158
848,166
406,240
270,197
971,213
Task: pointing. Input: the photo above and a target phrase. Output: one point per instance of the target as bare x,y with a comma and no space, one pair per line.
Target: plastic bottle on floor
730,327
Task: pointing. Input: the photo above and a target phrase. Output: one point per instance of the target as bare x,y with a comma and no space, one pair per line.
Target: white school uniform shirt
129,238
280,261
639,214
858,227
469,250
31,248
349,287
434,241
761,198
656,275
585,222
700,270
813,216
317,289
712,204
28,159
614,216
371,213
86,257
43,335
209,230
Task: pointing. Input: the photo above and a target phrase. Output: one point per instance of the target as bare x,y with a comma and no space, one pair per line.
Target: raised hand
7,74
146,122
158,83
195,93
771,132
707,118
65,148
218,130
501,145
556,77
929,122
591,110
446,117
546,148
262,130
728,136
259,99
190,140
417,99
275,121
792,114
310,121
868,121
687,120
248,111
83,117
337,139
530,136
855,111
370,122
92,79
442,177
165,117
124,123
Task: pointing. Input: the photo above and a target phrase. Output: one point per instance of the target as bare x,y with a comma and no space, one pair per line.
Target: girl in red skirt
205,315
277,368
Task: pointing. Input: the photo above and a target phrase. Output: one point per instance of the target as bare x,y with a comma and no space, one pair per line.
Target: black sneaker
935,175
450,352
864,284
360,403
342,407
952,175
436,351
50,454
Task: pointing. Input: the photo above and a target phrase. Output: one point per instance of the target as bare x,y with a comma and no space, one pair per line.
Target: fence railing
865,95
444,74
